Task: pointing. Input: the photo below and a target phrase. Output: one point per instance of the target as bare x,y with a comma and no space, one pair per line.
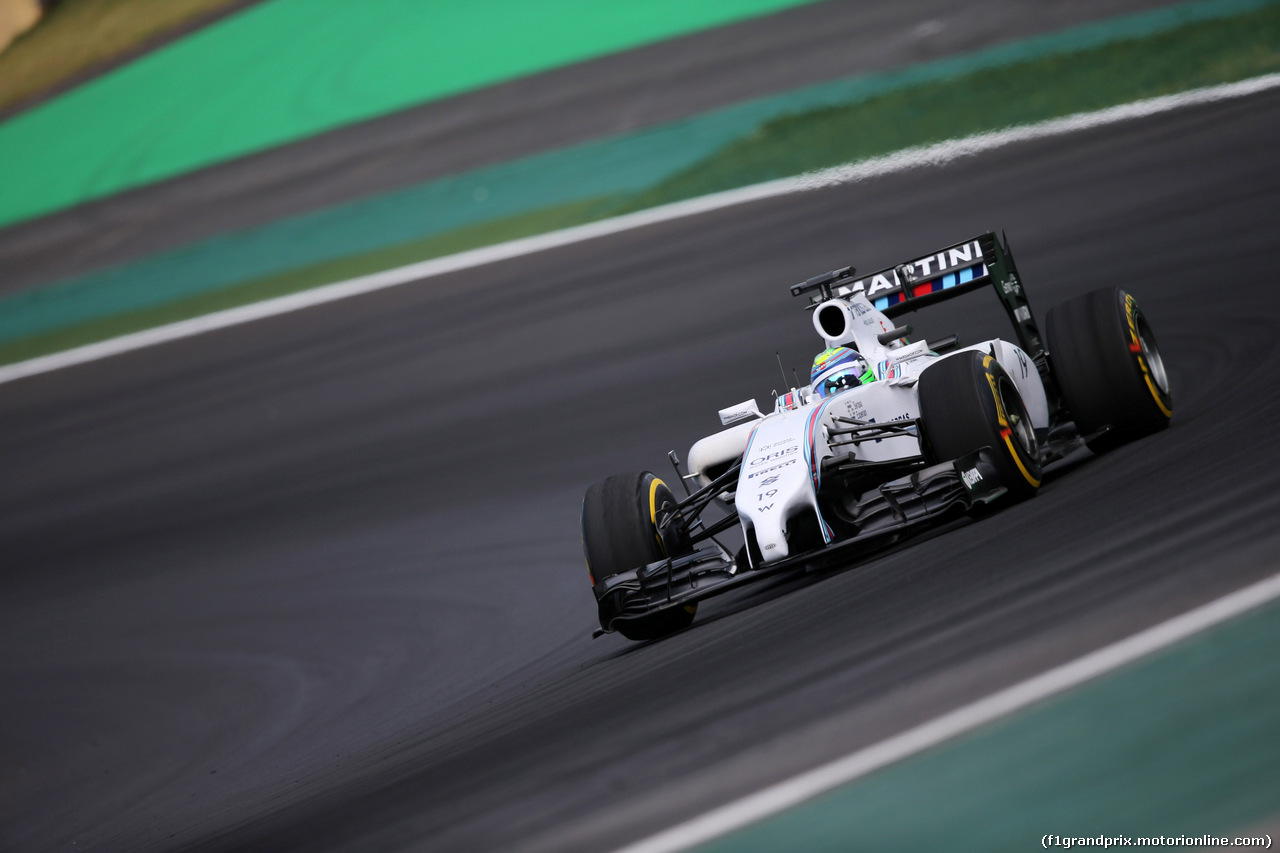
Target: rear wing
940,275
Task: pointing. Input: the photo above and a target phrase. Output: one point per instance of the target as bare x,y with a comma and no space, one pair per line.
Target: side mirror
742,411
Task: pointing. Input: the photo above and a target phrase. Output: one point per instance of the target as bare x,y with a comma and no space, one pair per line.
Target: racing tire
1108,366
967,402
620,533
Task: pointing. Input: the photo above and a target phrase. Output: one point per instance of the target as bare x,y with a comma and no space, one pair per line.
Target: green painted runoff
1152,53
1185,743
288,69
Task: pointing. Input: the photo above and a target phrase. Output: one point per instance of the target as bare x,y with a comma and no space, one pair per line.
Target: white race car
890,435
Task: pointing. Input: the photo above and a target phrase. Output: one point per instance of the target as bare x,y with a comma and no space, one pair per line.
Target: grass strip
77,36
1201,54
288,69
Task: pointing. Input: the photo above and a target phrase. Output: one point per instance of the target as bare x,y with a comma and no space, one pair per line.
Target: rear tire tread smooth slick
1108,367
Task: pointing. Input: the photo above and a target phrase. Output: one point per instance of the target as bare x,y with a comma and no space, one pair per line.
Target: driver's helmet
836,369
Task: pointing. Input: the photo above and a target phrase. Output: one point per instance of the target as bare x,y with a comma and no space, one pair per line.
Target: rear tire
620,533
1108,366
968,402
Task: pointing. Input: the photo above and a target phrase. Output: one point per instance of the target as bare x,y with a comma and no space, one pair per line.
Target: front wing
885,516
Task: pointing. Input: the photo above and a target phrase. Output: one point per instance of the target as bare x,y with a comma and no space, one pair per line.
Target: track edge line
781,796
936,154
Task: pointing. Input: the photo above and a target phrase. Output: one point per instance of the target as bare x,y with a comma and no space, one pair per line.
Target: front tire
967,402
620,533
1108,366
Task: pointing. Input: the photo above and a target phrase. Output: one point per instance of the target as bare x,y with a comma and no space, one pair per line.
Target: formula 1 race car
894,435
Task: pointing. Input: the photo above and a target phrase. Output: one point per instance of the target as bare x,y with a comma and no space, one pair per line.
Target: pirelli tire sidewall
620,533
1107,363
967,402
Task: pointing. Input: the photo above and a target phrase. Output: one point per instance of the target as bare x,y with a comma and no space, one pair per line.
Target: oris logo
773,457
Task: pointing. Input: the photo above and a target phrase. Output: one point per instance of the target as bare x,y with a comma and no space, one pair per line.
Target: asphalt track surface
612,95
315,582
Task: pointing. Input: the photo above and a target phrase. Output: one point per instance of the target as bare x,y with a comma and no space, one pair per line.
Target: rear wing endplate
964,267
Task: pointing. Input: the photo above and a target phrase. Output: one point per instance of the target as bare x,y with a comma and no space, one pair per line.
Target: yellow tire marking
1004,422
1129,304
1001,418
653,500
1168,413
653,511
1018,461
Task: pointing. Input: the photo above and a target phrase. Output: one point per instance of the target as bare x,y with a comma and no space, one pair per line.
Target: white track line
792,792
900,161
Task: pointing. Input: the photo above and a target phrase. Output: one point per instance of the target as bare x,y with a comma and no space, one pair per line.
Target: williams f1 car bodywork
933,430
